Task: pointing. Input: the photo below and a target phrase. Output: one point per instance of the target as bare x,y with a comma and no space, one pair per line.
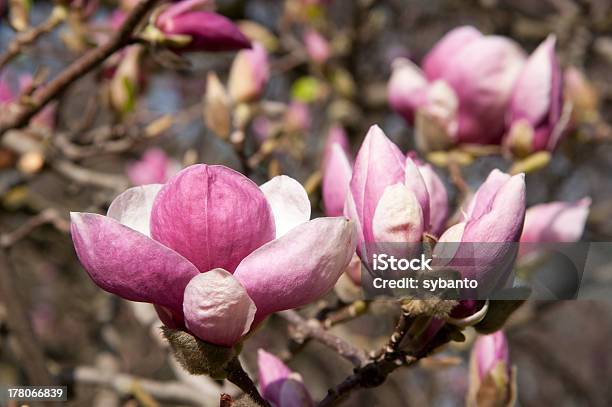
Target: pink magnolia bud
297,117
536,104
279,385
495,216
249,74
155,167
561,222
212,251
317,46
189,29
387,196
337,172
489,351
125,83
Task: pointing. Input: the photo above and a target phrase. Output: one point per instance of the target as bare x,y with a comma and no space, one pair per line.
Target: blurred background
109,351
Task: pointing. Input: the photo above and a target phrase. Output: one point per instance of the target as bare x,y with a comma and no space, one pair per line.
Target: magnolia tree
224,169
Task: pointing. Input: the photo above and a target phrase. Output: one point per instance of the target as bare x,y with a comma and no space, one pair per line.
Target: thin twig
49,215
78,69
26,38
237,375
312,329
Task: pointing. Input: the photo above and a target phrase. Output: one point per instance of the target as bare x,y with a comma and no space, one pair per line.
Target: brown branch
237,375
26,38
312,329
78,68
48,215
17,319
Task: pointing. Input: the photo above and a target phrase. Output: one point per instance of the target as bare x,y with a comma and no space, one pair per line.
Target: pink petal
489,350
289,202
336,134
212,215
483,74
556,222
133,207
438,198
379,164
299,267
398,217
217,308
272,374
407,88
336,178
414,181
485,194
294,393
436,61
532,95
129,264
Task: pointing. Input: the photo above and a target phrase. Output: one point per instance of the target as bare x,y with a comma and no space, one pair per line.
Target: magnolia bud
536,104
249,74
19,14
125,83
184,27
491,376
217,109
317,46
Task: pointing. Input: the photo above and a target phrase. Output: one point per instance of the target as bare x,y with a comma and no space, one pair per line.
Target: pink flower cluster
475,88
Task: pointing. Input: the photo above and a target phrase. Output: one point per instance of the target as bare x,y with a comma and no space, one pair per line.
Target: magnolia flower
490,372
184,27
279,385
249,74
155,167
553,222
388,196
494,217
337,171
534,115
317,46
462,93
213,252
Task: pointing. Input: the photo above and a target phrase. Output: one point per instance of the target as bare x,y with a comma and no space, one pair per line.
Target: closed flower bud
125,83
534,117
279,385
556,222
491,376
317,46
249,74
19,14
217,107
183,26
337,171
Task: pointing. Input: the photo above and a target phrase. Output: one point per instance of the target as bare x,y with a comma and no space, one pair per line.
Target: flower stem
237,375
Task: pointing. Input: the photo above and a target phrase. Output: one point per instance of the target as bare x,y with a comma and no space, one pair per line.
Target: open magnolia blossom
212,251
279,385
389,197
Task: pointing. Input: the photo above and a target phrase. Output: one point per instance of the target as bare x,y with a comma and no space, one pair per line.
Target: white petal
289,202
133,207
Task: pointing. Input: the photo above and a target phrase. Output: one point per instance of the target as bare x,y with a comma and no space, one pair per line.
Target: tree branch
312,329
78,68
